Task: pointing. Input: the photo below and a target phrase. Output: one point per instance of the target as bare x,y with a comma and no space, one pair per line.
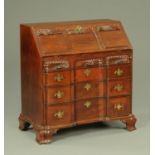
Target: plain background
109,138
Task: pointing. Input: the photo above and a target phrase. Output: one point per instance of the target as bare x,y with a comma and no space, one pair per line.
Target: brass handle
59,114
87,86
118,87
87,72
119,106
59,94
118,72
88,104
59,77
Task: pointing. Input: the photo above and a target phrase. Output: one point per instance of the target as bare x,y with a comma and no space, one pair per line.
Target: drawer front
90,74
90,109
59,78
119,87
92,62
59,115
59,95
90,89
118,71
56,64
119,59
120,106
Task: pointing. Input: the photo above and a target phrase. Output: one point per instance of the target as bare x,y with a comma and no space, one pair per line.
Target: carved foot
23,125
44,136
130,123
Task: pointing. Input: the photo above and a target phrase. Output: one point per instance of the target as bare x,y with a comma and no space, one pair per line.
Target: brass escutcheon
59,77
118,87
88,104
78,29
87,86
59,114
87,72
118,72
59,94
119,106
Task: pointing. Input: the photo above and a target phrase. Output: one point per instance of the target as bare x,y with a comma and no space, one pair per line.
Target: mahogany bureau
74,73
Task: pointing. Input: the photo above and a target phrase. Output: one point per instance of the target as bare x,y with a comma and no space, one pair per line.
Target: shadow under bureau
74,73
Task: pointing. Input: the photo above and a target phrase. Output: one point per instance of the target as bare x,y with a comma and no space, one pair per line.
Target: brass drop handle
59,114
59,94
59,77
87,86
119,106
118,72
87,72
88,104
118,87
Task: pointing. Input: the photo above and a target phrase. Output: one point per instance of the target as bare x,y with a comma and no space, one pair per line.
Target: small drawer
119,87
59,95
59,78
56,65
59,115
119,106
118,59
90,109
118,71
90,89
90,74
92,62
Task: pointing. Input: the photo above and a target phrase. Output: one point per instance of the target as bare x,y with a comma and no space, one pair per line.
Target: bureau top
74,37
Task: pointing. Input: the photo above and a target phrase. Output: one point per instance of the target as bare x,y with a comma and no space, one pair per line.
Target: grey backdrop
96,139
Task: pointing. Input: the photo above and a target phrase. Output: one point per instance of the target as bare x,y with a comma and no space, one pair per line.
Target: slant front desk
74,73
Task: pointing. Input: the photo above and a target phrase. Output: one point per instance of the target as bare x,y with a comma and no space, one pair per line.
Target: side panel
31,78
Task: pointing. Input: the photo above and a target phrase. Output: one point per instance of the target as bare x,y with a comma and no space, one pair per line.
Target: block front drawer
119,106
59,95
59,78
119,87
59,115
90,74
90,109
90,89
118,71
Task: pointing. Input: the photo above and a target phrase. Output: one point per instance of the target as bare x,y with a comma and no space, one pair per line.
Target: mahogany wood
74,73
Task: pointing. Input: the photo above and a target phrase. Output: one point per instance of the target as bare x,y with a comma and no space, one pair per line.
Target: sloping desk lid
79,37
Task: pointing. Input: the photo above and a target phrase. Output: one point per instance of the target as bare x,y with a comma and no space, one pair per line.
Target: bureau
74,73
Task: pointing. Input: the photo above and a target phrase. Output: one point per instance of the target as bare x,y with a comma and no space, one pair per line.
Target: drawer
91,62
59,95
90,89
119,59
59,78
120,106
119,87
90,109
117,71
56,64
59,115
90,74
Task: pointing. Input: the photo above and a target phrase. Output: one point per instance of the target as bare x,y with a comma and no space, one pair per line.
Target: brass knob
119,106
59,114
59,94
88,104
118,72
87,86
59,77
118,87
87,72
